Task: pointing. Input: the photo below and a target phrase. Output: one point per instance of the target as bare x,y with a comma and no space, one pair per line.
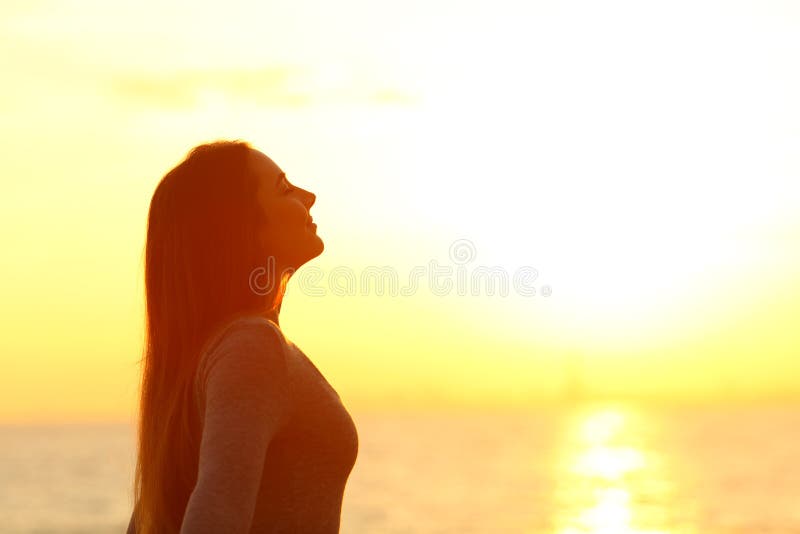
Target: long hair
201,248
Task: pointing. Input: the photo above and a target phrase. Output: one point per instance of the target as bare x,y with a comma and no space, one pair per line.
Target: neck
273,314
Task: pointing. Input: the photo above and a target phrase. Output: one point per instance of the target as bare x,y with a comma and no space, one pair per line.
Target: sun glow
650,180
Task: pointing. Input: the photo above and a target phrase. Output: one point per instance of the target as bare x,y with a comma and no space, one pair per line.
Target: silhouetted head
225,231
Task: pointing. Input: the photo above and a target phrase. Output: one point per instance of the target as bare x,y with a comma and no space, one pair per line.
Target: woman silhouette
238,430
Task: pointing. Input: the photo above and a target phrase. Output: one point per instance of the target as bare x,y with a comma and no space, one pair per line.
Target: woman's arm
246,386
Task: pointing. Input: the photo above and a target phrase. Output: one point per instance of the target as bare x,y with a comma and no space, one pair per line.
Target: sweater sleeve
244,382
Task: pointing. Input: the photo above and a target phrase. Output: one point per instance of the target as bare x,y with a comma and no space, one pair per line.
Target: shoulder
242,328
246,342
251,325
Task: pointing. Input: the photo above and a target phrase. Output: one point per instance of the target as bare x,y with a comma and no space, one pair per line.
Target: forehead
264,168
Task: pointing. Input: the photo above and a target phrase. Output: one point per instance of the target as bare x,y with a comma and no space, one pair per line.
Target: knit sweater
277,443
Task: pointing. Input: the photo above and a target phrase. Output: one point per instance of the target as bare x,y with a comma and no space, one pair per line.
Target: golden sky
643,159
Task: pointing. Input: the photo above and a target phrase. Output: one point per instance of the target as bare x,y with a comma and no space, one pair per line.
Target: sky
635,164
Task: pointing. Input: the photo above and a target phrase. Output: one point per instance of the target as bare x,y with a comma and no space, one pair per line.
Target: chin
311,251
320,246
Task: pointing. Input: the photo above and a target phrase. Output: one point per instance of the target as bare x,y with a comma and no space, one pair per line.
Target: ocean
606,469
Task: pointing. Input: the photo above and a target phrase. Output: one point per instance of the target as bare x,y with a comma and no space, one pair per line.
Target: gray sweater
277,443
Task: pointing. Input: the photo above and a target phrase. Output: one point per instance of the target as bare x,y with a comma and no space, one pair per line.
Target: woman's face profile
288,233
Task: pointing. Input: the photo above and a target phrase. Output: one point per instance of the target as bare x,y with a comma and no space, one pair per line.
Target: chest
320,427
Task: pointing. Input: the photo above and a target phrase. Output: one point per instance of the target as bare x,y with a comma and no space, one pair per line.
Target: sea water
610,469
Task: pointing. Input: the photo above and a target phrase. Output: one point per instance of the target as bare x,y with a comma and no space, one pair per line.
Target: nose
309,198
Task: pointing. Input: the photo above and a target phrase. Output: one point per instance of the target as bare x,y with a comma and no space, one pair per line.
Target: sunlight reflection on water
610,480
